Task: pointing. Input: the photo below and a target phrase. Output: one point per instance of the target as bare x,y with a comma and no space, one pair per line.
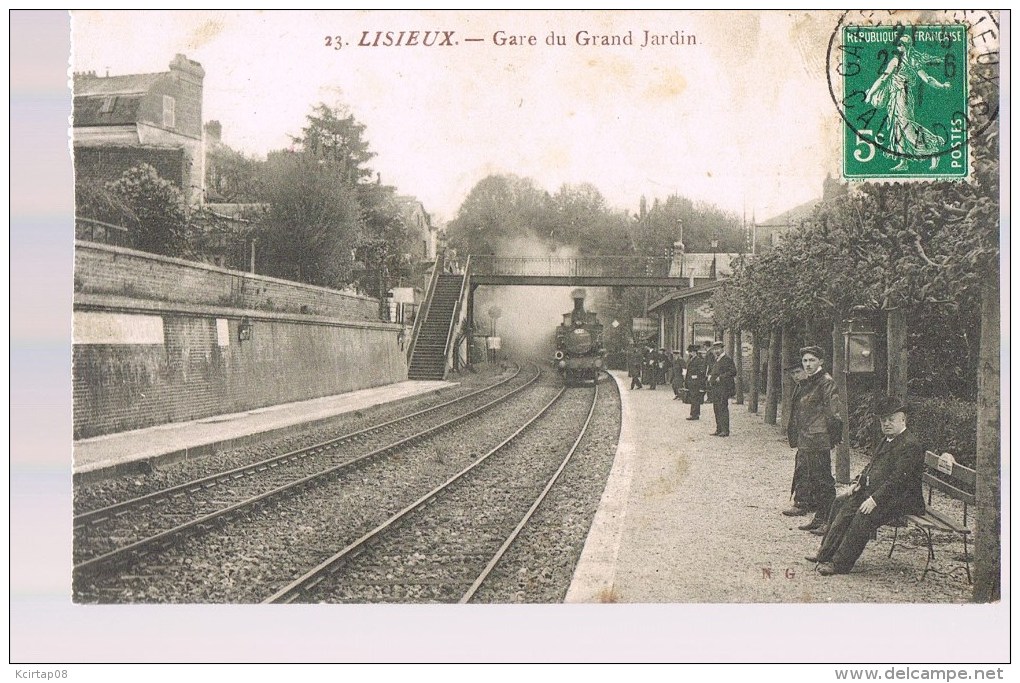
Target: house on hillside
766,234
425,235
155,118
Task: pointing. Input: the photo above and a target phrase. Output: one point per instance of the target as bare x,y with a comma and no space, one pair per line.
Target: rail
423,310
105,233
455,318
586,266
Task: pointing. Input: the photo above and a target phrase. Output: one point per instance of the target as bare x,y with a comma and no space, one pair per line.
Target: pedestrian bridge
590,271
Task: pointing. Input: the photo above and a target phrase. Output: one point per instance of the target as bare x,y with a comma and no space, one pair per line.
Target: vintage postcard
586,310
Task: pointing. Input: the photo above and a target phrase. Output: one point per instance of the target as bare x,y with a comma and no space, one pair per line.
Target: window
108,104
168,112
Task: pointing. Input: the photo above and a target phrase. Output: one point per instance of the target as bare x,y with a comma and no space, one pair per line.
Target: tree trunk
987,542
839,374
896,355
738,359
789,358
752,403
772,388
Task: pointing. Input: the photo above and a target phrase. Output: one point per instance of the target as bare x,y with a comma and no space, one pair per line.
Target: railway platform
687,517
125,452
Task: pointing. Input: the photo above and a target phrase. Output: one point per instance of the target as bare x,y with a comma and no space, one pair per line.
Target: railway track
443,546
122,533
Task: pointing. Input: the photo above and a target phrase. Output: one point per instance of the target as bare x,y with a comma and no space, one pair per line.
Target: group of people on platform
707,372
887,488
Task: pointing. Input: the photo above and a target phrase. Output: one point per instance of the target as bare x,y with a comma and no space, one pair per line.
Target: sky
741,119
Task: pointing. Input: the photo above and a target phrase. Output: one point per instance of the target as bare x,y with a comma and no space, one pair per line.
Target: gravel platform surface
702,522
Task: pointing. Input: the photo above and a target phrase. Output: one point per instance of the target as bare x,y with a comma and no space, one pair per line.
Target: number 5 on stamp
905,95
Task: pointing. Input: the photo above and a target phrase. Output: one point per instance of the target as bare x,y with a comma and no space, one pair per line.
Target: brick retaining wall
106,269
159,340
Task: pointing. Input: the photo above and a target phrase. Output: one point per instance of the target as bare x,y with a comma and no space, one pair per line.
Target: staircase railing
423,311
455,318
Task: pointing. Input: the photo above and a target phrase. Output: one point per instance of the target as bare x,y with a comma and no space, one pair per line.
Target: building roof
128,84
680,294
792,217
699,265
106,110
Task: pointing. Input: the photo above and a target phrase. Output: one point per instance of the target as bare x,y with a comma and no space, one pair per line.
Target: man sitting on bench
889,487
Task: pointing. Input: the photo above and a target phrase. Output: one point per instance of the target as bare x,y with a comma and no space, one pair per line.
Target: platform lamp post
680,241
859,343
858,357
494,313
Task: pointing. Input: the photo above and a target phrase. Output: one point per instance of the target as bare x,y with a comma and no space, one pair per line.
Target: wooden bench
942,472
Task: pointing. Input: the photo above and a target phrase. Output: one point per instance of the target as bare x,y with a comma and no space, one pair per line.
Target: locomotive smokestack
578,296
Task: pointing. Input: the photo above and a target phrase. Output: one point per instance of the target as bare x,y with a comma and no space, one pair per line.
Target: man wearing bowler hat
721,388
889,487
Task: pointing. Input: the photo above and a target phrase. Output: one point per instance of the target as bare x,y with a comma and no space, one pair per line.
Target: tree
232,176
161,223
333,134
581,218
502,215
94,199
313,223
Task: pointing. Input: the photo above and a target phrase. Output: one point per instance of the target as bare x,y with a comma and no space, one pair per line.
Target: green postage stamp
905,98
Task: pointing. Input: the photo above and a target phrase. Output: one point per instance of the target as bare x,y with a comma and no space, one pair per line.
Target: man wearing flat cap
722,386
889,487
815,426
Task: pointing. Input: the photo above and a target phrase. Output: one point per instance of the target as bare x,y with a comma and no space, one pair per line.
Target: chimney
187,69
214,131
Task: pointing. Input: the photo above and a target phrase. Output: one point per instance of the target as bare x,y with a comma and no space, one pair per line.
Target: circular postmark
914,88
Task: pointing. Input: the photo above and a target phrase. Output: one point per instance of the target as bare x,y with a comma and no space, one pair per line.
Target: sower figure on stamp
695,381
889,487
898,91
722,386
816,425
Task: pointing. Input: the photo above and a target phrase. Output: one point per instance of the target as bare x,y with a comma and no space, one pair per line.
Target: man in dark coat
889,487
697,370
722,386
815,426
676,378
800,489
634,366
665,366
651,368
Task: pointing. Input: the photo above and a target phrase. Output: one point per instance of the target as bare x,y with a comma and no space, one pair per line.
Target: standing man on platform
722,386
816,425
676,378
800,489
697,370
634,366
889,487
651,368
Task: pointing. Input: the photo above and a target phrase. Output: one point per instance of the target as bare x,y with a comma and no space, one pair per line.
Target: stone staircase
428,360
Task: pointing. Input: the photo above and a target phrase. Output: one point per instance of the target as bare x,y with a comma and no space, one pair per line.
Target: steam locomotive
580,355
